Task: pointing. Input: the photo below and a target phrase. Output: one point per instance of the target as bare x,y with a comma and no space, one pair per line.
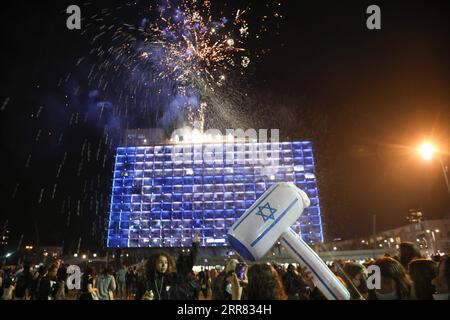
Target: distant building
143,137
5,234
431,236
51,251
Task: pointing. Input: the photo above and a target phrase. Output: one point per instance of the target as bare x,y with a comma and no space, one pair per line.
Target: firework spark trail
5,103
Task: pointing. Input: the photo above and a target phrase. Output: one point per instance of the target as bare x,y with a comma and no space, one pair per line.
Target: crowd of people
407,276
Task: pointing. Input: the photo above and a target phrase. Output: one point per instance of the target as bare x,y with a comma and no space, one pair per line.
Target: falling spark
78,207
41,195
16,188
5,103
80,168
60,138
27,164
59,171
54,190
39,111
38,136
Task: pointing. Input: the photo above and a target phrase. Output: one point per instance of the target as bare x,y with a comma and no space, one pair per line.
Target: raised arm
186,263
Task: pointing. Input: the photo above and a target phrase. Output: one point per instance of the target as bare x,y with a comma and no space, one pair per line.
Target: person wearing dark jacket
442,281
293,283
24,283
166,280
62,278
48,285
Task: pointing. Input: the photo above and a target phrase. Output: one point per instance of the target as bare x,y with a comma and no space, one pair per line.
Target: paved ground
73,295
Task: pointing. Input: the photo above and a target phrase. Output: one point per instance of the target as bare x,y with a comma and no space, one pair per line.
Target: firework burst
198,49
193,47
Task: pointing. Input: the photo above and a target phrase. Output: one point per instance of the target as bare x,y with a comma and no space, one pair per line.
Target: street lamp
427,151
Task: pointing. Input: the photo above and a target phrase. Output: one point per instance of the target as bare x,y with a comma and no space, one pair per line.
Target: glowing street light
427,151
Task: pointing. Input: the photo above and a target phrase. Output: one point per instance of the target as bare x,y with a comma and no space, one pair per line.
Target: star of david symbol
271,212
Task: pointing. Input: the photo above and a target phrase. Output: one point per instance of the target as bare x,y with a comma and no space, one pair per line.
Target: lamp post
444,170
428,151
433,236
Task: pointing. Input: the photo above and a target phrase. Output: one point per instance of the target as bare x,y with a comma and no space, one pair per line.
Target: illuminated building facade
158,201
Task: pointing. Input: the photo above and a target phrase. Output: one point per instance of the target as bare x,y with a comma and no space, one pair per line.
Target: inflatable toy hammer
270,218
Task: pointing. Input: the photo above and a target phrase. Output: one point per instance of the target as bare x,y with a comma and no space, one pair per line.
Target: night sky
365,98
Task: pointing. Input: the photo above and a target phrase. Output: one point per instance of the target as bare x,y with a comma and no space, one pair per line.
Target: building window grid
216,209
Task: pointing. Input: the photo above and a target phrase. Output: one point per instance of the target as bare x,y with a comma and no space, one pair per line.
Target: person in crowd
9,284
48,284
310,291
422,272
88,290
355,280
293,283
186,285
408,252
215,284
121,282
1,282
203,282
208,284
131,282
261,282
436,258
442,281
166,279
62,278
279,268
38,275
222,286
395,283
156,281
106,285
24,283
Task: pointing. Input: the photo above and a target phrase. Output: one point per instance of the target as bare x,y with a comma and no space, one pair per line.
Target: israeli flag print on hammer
270,219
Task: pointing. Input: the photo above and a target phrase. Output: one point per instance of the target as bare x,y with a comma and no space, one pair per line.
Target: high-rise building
163,195
4,235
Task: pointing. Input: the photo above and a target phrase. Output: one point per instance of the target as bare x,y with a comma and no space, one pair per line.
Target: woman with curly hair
261,282
166,279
